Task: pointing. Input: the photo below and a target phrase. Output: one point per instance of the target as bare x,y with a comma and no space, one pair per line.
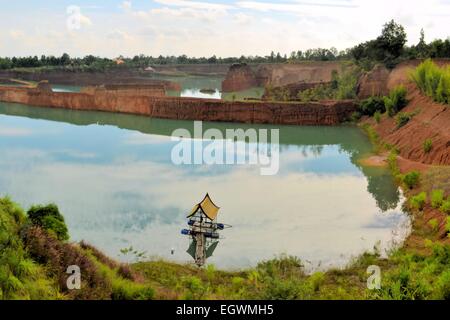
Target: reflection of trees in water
311,140
382,187
380,182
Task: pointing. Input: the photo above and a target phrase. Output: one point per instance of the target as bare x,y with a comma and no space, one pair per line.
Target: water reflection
113,179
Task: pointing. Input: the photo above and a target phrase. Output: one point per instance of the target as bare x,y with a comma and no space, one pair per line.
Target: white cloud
85,21
16,34
14,132
126,5
242,18
194,4
205,28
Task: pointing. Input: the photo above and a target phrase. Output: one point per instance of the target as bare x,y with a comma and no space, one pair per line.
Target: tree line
389,48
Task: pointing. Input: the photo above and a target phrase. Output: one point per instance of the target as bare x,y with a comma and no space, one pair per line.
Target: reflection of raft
203,230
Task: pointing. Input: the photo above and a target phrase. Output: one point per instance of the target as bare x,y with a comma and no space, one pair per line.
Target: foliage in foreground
33,264
34,260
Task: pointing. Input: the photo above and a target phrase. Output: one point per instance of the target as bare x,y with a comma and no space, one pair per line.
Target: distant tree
65,59
391,42
422,47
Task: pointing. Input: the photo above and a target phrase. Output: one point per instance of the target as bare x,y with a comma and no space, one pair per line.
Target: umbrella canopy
208,208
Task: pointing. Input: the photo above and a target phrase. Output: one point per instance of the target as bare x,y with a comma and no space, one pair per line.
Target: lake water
191,86
114,181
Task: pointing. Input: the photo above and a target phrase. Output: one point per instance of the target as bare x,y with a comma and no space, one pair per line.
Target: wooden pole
200,251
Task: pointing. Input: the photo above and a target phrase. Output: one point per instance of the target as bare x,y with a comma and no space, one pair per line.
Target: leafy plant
396,100
433,223
411,179
50,219
434,81
445,207
437,198
377,116
403,118
427,145
447,226
372,105
418,201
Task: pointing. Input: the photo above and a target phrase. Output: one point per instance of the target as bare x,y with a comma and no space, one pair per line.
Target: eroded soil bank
430,120
323,113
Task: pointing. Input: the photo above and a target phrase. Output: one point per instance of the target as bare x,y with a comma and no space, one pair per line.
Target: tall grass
434,81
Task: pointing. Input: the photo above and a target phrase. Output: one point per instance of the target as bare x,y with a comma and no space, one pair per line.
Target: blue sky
203,28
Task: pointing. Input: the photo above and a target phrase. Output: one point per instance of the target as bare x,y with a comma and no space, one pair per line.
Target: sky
198,28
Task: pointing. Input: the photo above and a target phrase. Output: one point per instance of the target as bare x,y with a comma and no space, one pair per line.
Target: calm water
191,86
65,88
113,179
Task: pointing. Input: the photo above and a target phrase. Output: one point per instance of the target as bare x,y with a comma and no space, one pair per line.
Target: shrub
411,179
49,218
418,201
403,118
447,226
433,81
281,267
427,145
372,105
396,100
356,116
437,198
445,207
443,285
433,223
377,117
48,250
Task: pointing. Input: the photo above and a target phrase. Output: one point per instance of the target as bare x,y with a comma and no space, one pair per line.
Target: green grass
427,145
418,201
20,277
445,207
434,81
411,179
396,100
437,198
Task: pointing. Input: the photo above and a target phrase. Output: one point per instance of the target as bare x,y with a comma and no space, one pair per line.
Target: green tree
49,218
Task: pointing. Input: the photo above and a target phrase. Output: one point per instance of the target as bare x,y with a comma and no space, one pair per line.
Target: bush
403,118
447,226
433,81
418,201
437,198
445,208
372,105
427,145
396,100
356,116
49,218
434,224
377,117
411,179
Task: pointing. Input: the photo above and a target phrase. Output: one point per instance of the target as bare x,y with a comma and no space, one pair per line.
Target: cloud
194,4
14,132
117,34
205,28
85,21
126,5
242,18
16,34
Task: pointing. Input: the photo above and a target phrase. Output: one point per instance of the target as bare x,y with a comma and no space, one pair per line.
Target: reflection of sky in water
196,93
118,188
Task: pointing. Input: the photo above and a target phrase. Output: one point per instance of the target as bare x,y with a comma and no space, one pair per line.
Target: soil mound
240,77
